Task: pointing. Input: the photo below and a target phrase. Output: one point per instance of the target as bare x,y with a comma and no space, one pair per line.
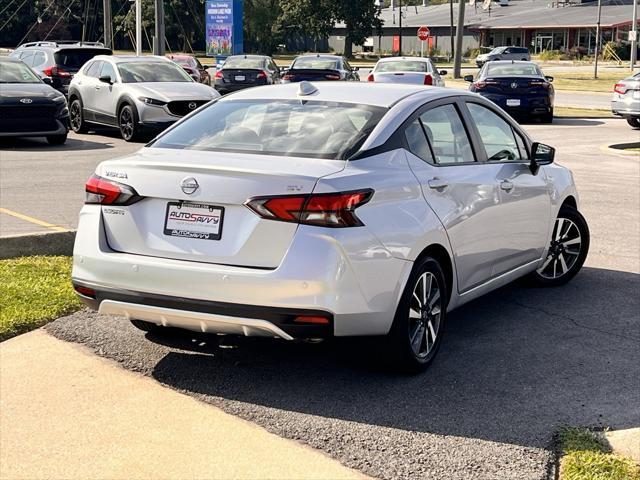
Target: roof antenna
305,88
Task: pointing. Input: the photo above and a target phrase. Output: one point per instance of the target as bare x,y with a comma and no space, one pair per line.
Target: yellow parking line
27,218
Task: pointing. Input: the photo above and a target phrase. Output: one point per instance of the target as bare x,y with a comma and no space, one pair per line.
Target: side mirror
541,154
355,69
443,72
548,79
106,79
47,80
468,78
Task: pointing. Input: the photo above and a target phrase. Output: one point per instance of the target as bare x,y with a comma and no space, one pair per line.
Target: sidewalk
65,413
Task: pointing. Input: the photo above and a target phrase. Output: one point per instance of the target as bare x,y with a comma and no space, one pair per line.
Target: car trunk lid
175,223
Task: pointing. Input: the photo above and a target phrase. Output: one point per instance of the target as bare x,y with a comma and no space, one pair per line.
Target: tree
261,32
311,18
360,17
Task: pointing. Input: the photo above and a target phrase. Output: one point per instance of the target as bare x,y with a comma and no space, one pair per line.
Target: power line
14,14
5,8
64,14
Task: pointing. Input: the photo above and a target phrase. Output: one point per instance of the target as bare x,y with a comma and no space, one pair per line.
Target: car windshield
316,63
402,66
138,72
512,70
73,59
294,128
241,62
17,72
497,50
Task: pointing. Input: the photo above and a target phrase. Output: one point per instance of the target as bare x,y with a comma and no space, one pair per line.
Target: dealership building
536,24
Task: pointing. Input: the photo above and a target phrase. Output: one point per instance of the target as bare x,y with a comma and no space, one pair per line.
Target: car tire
547,117
128,123
564,258
146,326
76,117
634,121
57,139
416,333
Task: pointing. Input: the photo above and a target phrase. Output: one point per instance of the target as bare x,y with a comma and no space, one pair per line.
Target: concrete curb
49,243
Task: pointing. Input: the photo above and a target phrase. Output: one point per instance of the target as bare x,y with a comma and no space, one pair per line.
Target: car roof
8,59
366,93
132,58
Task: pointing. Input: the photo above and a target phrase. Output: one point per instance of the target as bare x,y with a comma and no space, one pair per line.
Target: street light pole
138,27
158,44
597,51
400,37
457,57
634,29
107,22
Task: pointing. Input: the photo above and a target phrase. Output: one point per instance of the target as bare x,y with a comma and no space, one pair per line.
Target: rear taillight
334,210
287,77
55,72
620,88
85,291
262,74
332,77
218,74
482,84
371,78
539,83
428,79
102,191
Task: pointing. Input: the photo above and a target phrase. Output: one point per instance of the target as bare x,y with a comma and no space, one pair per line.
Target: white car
330,209
133,94
413,70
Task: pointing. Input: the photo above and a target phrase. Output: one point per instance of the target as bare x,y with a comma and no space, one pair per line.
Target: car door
458,188
86,86
524,200
105,95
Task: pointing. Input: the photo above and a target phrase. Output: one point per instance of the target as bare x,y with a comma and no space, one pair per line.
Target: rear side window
310,129
75,58
447,135
27,57
39,58
417,141
496,134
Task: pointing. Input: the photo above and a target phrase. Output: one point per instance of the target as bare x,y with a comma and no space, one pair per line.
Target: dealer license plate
240,78
513,102
193,220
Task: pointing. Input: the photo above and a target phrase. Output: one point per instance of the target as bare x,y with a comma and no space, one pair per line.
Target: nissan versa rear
315,210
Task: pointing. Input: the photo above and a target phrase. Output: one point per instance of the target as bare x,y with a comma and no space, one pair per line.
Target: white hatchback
317,210
412,70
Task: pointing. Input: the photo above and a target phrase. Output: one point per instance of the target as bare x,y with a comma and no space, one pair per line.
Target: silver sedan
626,99
413,70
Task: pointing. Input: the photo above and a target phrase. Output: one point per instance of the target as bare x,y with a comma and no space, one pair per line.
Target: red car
192,66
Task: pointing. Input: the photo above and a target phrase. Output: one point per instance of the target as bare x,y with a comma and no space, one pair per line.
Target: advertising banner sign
219,24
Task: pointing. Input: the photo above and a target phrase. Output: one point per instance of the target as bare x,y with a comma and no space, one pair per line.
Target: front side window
496,134
17,72
140,72
447,135
108,71
94,69
275,127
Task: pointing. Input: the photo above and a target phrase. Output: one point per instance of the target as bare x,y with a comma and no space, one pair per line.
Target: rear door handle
437,183
506,185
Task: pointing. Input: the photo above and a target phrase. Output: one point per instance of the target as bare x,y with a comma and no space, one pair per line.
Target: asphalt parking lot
514,366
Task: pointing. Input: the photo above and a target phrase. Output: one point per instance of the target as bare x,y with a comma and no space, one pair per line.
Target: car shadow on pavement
577,122
40,144
514,366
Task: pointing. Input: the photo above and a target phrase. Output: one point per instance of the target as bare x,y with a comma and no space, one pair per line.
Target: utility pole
108,23
634,35
457,57
138,27
451,29
158,41
400,37
597,51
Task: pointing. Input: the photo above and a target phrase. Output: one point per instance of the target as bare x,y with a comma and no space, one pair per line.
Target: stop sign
423,33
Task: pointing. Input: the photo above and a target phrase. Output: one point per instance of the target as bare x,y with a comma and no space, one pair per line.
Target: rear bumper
626,108
538,105
331,274
224,88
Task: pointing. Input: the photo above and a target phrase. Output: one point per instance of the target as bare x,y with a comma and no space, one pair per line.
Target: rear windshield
73,59
294,128
17,72
241,62
316,63
135,72
512,69
497,50
402,66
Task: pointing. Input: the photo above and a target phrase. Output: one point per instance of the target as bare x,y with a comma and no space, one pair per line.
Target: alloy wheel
566,243
425,310
75,116
126,123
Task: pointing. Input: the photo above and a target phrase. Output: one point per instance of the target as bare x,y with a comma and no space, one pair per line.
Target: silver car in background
626,99
504,53
134,94
412,70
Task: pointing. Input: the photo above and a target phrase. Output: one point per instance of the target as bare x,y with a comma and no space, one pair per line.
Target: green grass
586,456
584,81
34,291
582,112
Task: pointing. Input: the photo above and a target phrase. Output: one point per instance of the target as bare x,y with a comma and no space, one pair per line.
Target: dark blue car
518,87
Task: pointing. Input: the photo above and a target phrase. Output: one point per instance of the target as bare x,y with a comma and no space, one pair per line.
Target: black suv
58,60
